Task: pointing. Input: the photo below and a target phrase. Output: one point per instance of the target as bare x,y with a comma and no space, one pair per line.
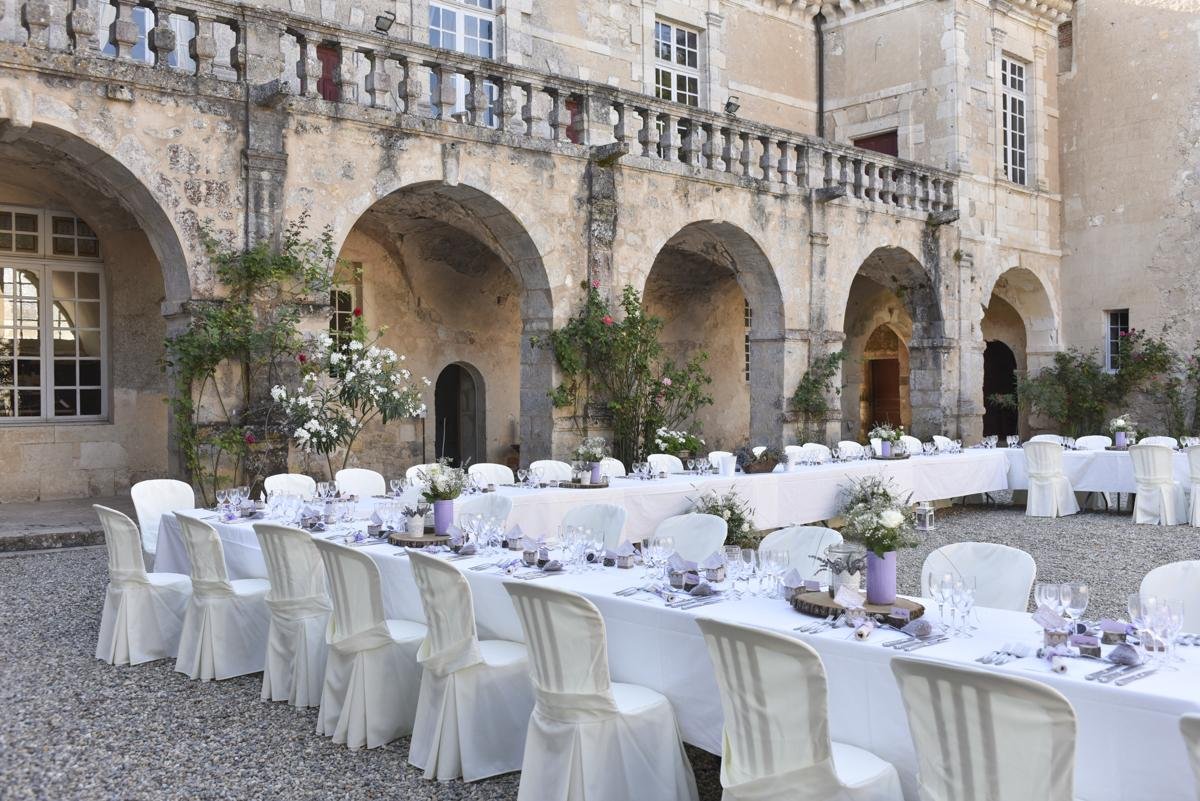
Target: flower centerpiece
592,451
677,443
877,517
737,513
757,460
888,437
442,484
1121,427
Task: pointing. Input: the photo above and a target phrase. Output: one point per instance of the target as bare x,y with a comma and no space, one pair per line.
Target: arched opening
458,414
1020,320
717,293
892,370
999,378
455,279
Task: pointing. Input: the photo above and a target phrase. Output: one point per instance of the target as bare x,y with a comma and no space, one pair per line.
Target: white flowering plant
1123,423
345,384
886,432
877,516
592,449
442,482
737,513
668,441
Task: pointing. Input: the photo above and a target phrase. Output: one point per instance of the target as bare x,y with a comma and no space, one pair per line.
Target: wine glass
1075,598
523,475
1049,595
749,571
938,584
691,465
963,601
1173,616
222,498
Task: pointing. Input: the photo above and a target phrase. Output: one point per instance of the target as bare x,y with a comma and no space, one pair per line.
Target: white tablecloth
1129,747
1090,471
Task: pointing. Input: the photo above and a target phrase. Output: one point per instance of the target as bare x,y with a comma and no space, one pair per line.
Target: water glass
523,476
1075,599
749,570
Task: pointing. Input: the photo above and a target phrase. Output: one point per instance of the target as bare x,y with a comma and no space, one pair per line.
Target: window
1013,119
885,143
676,63
343,301
52,318
1066,47
748,318
185,31
467,27
1117,327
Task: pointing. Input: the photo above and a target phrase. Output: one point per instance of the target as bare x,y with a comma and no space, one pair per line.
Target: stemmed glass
749,569
523,476
1050,595
962,601
691,465
222,499
1075,599
939,587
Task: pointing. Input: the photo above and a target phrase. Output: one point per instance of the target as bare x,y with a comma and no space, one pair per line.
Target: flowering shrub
667,441
737,513
442,482
886,432
876,516
592,449
1122,423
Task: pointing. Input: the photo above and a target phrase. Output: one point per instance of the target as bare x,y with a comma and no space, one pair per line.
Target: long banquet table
1129,746
1091,471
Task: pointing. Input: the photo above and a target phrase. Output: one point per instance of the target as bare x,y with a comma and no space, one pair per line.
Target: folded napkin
553,566
680,565
312,510
1048,619
1085,640
1109,626
849,598
793,580
515,533
624,549
701,590
376,520
918,628
864,630
467,550
530,544
713,561
457,535
1125,654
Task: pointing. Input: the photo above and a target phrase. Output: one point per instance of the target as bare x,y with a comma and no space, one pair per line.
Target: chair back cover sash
295,571
126,565
451,643
357,622
210,579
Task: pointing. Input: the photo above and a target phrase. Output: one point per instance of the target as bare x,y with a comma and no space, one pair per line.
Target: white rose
891,519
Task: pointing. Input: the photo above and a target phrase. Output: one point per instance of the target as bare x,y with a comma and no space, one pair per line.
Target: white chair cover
826,454
372,678
361,482
912,445
293,483
850,448
1093,442
1177,581
877,446
714,457
664,463
1003,575
1160,499
590,739
942,443
414,473
983,735
489,504
792,454
776,735
605,517
613,468
1169,442
300,607
1050,493
476,697
154,498
696,535
225,629
490,473
1193,455
143,612
1054,438
757,450
803,545
1189,726
552,469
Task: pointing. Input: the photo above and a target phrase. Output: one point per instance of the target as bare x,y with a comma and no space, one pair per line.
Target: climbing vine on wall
810,401
236,349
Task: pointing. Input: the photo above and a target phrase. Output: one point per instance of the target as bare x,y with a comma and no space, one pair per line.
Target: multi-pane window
71,236
76,335
467,27
676,63
19,232
748,319
342,304
1013,119
1117,326
185,31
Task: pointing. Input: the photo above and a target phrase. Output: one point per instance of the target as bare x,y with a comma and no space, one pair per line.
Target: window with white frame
1116,327
1013,119
676,63
467,26
52,318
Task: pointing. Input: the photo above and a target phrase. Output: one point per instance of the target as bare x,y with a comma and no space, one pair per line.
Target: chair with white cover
489,504
154,498
143,612
803,544
1193,455
1003,575
360,481
714,457
776,736
664,463
414,473
491,473
613,468
849,449
552,469
1050,493
912,445
981,734
372,678
1169,442
225,628
1189,726
1093,442
293,483
877,446
792,454
696,535
825,454
300,608
1160,498
1178,581
476,696
1055,438
606,517
944,444
590,739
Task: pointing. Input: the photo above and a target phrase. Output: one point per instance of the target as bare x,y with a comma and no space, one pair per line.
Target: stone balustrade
258,46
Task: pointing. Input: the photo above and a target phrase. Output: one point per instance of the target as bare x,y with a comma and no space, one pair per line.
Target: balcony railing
220,41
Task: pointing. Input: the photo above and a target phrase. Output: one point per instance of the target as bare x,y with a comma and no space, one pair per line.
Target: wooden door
885,391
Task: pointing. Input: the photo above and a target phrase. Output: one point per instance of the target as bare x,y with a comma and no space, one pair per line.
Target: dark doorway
885,391
999,378
885,143
458,416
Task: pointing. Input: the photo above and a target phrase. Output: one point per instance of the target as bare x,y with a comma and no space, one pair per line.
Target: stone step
67,523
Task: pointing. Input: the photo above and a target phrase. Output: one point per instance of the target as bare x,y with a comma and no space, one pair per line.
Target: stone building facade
779,179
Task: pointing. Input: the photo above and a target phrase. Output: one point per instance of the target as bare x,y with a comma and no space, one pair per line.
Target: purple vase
595,478
881,578
443,516
1121,439
885,448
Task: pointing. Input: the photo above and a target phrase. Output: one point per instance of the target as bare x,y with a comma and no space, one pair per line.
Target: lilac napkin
680,565
793,580
515,533
918,628
849,598
1048,619
467,550
1125,654
624,549
701,590
1110,626
713,561
376,520
553,566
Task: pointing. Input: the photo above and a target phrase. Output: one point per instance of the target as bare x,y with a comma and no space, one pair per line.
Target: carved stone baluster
38,16
729,152
162,38
859,182
948,196
806,173
379,80
669,138
691,143
649,132
347,73
745,157
203,47
625,129
784,164
766,162
477,100
81,25
529,111
125,30
935,194
499,100
559,116
710,151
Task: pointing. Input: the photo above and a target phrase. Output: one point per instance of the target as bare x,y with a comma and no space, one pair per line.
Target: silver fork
809,628
1117,674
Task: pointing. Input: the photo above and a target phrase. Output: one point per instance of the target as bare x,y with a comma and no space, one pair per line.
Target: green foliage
877,516
620,363
737,513
811,398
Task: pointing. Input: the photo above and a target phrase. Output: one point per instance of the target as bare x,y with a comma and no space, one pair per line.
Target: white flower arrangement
668,441
442,482
885,432
1123,423
592,449
876,516
737,513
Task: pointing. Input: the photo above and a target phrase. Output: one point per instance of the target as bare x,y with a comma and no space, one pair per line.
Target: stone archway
457,280
717,292
1020,316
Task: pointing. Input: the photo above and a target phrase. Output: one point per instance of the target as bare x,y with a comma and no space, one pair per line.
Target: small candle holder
529,557
925,517
513,543
625,561
714,574
1052,637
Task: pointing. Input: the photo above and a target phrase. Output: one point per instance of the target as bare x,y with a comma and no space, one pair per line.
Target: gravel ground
75,728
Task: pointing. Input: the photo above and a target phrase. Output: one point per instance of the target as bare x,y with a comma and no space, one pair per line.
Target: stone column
537,379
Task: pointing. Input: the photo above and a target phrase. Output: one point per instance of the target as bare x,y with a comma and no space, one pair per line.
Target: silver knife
1121,682
922,644
1105,672
1125,671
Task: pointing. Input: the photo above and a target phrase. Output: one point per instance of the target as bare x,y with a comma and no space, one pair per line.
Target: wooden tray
893,458
406,540
1116,447
819,604
575,485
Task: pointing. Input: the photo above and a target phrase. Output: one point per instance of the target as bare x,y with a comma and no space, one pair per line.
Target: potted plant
677,443
443,484
888,437
1121,427
592,451
763,462
737,513
877,517
414,521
